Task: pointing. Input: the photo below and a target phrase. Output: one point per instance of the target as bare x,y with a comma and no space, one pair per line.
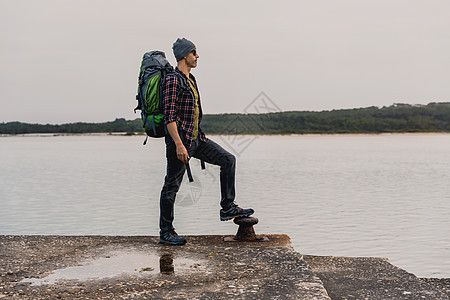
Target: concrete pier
373,278
207,267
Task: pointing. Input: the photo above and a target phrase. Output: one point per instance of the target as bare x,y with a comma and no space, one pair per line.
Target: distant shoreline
127,134
399,118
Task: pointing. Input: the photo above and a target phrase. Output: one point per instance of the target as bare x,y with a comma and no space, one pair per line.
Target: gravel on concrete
50,267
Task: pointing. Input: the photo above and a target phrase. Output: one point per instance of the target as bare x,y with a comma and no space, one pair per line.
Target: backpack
152,76
151,81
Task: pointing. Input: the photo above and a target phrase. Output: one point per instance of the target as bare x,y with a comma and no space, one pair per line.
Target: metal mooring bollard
246,232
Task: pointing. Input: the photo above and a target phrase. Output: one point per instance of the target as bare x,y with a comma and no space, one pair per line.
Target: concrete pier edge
205,268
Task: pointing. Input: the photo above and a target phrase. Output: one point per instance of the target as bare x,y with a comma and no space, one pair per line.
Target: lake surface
342,195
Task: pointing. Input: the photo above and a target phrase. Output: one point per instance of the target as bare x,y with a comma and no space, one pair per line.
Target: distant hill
433,117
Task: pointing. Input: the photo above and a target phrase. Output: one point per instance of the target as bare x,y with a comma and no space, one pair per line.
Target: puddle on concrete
121,263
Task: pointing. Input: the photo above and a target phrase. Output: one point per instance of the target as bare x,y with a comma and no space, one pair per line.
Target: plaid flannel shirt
181,109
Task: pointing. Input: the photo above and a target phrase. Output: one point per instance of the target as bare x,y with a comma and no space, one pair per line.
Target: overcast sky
68,61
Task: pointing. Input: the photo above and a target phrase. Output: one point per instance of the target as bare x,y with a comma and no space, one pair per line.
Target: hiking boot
235,211
171,238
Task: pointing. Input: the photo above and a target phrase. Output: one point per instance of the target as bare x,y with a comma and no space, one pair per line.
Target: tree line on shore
433,117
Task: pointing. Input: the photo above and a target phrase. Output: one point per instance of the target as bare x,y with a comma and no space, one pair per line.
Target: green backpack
152,75
151,81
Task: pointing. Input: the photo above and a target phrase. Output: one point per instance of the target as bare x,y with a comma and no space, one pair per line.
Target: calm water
343,195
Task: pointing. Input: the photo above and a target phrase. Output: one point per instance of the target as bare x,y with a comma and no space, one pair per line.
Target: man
182,117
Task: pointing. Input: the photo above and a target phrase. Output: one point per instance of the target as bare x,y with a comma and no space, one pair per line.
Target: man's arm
170,101
182,153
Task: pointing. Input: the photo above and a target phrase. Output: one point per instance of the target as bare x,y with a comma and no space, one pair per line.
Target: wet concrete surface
112,267
373,278
207,267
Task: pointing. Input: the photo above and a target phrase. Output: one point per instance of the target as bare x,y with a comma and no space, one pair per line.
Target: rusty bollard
246,232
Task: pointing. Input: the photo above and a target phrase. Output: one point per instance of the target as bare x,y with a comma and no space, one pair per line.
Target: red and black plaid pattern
182,109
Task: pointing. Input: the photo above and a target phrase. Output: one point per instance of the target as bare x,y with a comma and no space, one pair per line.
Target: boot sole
171,243
231,218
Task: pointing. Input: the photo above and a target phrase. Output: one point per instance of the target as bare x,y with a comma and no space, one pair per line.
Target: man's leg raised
213,153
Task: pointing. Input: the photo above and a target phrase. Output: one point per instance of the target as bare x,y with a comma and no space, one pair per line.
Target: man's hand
182,153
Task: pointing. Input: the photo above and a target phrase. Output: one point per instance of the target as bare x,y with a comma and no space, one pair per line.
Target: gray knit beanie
182,47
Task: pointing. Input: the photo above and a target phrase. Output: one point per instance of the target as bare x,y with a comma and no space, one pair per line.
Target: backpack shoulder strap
183,82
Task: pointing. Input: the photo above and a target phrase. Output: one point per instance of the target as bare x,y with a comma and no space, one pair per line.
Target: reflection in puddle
166,264
120,263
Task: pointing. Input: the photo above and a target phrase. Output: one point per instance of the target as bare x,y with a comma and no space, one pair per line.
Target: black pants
211,153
